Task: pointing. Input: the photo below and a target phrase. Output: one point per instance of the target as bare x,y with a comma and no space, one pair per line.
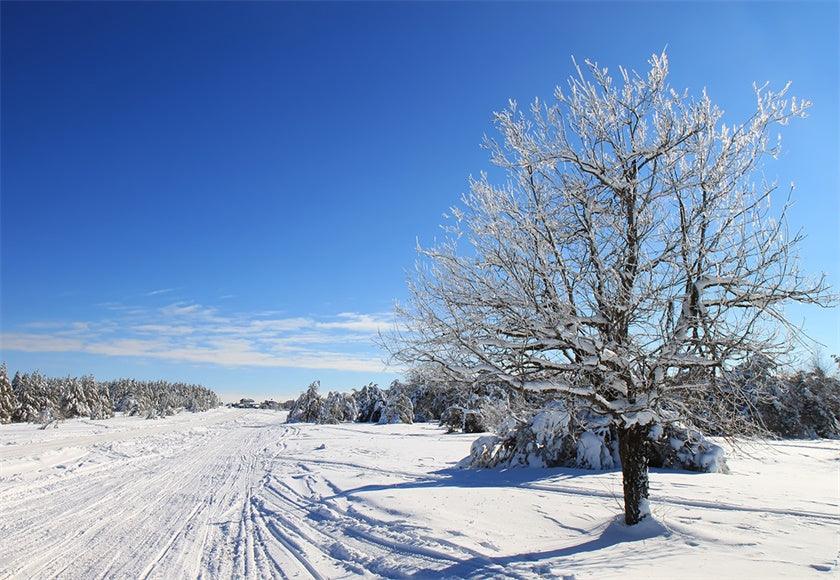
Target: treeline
536,429
468,407
33,397
800,404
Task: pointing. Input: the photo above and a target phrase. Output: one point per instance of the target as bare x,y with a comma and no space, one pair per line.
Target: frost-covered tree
337,408
398,407
31,392
369,402
307,407
7,396
97,397
102,407
632,244
74,400
135,397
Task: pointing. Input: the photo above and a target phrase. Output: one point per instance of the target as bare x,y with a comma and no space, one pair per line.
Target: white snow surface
238,493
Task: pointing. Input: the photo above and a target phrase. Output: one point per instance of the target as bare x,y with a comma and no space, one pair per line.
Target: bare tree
630,247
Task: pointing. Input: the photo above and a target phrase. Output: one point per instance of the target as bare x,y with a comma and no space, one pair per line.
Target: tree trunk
632,447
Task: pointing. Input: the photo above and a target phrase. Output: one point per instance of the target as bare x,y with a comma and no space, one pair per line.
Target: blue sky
231,193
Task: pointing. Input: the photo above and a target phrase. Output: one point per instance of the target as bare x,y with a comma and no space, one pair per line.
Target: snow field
238,493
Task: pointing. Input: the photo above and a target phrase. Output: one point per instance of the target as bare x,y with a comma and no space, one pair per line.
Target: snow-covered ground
237,493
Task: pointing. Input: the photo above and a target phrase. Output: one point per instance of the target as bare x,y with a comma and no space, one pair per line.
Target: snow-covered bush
483,407
307,407
398,408
369,403
129,404
429,401
337,408
557,436
819,403
808,406
677,447
543,441
478,416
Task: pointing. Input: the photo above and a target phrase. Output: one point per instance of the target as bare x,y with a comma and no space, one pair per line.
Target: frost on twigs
632,254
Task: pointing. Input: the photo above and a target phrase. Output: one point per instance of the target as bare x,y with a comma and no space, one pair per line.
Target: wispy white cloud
160,291
197,334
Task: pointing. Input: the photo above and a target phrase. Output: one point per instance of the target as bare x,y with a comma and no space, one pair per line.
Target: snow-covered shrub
287,405
337,408
307,407
46,415
677,447
398,408
543,441
557,436
483,407
369,403
430,401
809,406
478,416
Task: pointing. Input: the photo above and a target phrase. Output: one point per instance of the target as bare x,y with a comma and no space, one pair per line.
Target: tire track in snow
180,492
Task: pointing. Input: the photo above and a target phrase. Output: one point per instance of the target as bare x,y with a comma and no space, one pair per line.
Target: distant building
246,404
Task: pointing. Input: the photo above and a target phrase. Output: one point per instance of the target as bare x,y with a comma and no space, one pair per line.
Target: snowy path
235,493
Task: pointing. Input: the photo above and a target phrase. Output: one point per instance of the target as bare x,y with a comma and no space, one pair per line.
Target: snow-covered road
237,493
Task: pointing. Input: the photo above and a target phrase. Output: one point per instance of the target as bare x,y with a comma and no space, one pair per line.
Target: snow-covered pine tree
31,394
629,246
337,408
74,400
369,402
7,396
307,408
104,407
398,407
54,391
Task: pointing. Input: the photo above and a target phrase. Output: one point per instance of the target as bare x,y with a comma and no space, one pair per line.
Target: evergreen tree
308,406
104,408
31,396
74,401
7,397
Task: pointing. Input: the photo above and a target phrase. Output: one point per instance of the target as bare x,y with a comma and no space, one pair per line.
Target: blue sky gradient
231,193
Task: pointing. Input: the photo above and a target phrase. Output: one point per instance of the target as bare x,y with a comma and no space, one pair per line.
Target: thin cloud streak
196,334
160,291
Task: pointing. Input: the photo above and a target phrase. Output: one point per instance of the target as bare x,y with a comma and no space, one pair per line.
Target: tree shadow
481,478
615,533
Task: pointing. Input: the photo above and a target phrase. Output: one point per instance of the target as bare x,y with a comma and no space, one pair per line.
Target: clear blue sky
230,193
